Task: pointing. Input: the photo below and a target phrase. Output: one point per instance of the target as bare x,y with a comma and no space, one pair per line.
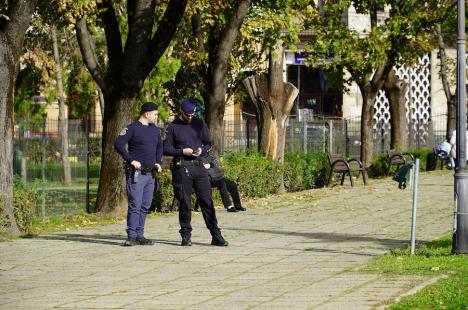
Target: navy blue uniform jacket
181,135
144,144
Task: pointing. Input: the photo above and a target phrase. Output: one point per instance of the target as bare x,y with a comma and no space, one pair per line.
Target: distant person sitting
443,152
226,186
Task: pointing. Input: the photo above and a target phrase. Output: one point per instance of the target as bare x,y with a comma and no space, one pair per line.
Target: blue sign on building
299,58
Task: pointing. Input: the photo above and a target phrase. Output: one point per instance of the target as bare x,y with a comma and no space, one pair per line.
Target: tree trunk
396,89
7,81
101,102
113,197
11,41
215,106
274,109
63,118
449,95
451,116
122,78
367,122
214,90
369,88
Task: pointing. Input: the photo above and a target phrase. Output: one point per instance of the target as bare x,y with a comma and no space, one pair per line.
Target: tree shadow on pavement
330,237
97,238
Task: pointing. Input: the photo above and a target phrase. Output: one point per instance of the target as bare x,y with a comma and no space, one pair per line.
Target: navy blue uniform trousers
184,179
140,196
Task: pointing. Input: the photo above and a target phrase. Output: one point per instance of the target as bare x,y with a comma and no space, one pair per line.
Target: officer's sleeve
121,141
159,148
206,140
168,146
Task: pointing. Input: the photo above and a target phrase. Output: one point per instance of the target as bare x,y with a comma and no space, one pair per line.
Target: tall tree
14,20
215,38
449,94
400,37
63,117
445,33
134,46
395,90
220,56
274,100
339,47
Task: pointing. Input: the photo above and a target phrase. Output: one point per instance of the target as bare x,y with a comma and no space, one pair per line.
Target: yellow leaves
71,10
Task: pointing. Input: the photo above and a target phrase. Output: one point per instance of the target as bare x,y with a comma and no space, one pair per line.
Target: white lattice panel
418,101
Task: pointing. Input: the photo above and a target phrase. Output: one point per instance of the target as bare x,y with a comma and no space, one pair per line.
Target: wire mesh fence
37,151
38,161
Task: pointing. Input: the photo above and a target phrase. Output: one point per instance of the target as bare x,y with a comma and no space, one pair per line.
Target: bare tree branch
166,30
113,36
87,50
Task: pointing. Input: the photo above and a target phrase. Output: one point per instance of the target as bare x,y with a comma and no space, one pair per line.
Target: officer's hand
136,164
187,151
197,152
158,168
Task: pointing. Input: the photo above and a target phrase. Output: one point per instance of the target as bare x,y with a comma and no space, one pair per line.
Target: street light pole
460,238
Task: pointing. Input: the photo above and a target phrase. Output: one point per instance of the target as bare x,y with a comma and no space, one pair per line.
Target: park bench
338,164
397,159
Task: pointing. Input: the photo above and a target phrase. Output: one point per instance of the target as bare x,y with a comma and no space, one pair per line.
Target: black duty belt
146,170
187,163
143,170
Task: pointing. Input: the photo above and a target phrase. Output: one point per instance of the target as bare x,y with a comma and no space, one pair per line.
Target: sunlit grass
434,258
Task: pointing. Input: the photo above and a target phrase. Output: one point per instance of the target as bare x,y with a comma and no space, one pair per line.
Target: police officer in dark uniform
188,138
142,160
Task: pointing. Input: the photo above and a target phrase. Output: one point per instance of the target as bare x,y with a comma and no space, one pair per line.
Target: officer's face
151,116
187,117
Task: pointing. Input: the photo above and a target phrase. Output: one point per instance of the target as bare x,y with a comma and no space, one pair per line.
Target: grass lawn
434,258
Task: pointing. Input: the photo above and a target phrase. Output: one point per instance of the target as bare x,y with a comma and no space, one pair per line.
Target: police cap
148,107
189,105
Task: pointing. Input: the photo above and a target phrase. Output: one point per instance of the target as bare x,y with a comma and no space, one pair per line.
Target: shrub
305,171
162,200
427,161
256,176
25,201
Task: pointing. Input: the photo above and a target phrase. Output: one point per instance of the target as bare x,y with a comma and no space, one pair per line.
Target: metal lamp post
460,238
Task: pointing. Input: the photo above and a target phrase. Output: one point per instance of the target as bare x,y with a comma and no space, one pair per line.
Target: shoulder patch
123,132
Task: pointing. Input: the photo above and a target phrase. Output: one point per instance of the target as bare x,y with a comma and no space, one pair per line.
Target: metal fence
333,135
37,161
37,151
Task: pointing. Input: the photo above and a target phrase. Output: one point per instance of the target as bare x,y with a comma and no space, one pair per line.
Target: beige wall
439,101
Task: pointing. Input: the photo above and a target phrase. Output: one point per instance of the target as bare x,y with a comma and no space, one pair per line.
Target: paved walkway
296,251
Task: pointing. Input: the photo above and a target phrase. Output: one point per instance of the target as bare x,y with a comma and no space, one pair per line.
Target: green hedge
305,171
257,176
25,200
427,161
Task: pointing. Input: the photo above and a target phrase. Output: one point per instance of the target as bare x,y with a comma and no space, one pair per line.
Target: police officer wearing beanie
188,138
142,159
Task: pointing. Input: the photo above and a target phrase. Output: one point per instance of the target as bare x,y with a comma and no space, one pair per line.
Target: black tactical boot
130,242
218,240
144,241
186,241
